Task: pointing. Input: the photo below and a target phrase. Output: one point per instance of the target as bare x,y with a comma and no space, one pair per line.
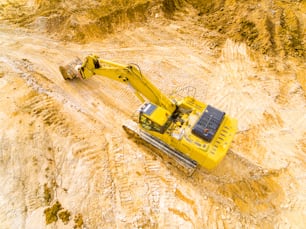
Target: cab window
148,124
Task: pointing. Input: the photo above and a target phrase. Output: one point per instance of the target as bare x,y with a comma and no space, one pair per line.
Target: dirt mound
79,21
275,27
271,27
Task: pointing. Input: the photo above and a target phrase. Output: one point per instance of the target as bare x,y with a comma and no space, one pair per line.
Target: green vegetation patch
51,213
78,221
64,216
47,194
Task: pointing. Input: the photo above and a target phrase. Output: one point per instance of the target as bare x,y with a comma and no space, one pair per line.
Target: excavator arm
128,74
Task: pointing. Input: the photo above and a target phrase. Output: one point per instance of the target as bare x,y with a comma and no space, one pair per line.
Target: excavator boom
128,74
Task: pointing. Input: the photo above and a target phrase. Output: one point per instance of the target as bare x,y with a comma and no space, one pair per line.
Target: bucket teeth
70,71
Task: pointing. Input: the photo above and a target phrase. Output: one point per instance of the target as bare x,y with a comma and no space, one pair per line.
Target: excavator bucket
69,71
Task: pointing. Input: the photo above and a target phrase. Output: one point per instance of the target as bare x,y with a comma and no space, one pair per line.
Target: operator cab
154,118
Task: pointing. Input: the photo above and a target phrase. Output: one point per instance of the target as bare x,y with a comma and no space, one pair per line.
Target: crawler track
173,157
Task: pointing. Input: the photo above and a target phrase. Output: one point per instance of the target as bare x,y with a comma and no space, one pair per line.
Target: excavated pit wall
270,27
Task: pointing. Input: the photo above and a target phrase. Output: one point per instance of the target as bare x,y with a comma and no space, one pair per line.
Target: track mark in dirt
32,199
81,136
57,90
265,192
154,185
95,157
5,213
245,93
124,197
44,107
51,113
237,183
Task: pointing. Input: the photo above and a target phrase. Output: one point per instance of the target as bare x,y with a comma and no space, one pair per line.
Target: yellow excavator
187,131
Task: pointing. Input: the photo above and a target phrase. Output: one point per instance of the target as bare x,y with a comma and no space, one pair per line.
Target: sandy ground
63,141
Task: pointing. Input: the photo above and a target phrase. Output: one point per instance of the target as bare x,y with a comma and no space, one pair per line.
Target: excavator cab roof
155,113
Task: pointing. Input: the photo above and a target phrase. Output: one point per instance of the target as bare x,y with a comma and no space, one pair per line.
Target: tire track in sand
125,201
74,132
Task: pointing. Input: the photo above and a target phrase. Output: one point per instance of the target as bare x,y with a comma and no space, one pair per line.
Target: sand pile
270,27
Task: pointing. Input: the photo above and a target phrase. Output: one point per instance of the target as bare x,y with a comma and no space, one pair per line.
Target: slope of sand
63,141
